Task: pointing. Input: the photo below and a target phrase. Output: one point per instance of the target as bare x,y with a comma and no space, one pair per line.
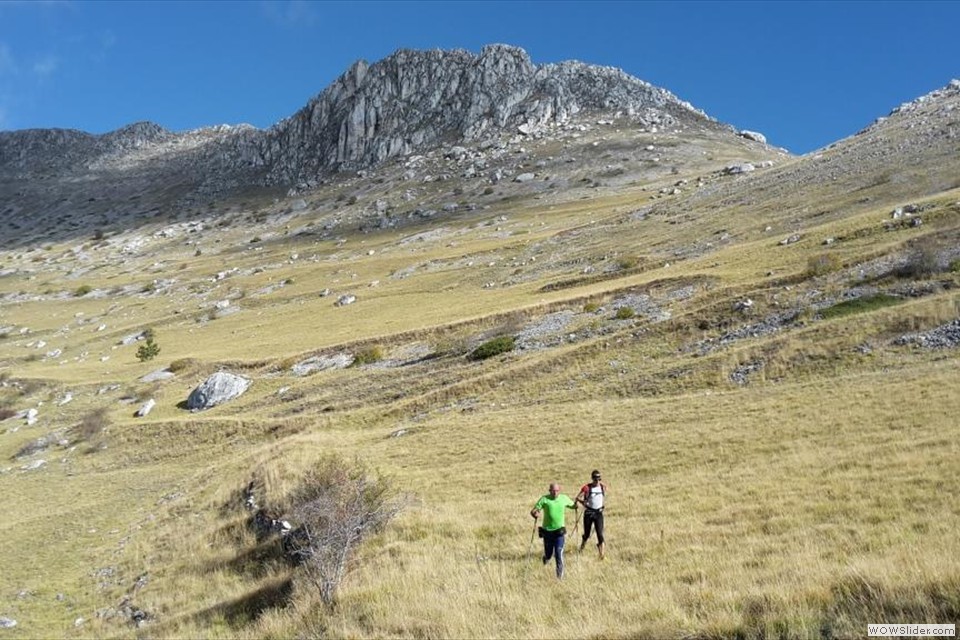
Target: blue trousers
553,548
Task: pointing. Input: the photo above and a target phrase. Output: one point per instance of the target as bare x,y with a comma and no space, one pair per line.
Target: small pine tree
148,350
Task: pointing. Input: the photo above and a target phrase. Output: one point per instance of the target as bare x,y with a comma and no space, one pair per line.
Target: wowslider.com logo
911,630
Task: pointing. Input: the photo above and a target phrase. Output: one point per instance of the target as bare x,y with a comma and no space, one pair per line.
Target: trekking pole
575,527
532,536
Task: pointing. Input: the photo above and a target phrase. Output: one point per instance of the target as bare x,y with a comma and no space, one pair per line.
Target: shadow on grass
247,608
259,561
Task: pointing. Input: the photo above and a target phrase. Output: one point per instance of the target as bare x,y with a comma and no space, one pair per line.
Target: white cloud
291,13
8,66
46,66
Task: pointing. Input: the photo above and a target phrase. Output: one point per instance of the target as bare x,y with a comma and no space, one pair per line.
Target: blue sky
803,73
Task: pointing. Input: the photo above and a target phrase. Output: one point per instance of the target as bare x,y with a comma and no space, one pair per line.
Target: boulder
753,135
524,177
736,169
217,389
145,408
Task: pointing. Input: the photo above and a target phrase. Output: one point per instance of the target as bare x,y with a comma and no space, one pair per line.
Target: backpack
585,490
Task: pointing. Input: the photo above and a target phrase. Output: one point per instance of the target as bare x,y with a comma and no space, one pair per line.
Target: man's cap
595,474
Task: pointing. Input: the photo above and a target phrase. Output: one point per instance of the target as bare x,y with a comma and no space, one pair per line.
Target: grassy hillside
736,356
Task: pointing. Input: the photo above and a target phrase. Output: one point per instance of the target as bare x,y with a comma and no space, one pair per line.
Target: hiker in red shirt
591,496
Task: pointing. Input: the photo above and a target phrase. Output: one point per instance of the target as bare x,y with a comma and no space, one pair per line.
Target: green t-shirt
553,514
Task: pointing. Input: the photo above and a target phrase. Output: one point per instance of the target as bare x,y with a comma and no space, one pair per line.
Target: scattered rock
736,169
344,300
524,177
134,337
945,336
7,623
322,363
145,408
158,376
741,374
790,240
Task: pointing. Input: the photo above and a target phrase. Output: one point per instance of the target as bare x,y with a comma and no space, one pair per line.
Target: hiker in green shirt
553,505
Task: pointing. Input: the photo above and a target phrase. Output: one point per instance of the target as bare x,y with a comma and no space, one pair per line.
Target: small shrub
625,313
182,364
955,266
922,261
6,413
822,264
335,507
148,350
255,239
82,290
859,305
368,355
626,263
450,345
591,307
494,347
92,425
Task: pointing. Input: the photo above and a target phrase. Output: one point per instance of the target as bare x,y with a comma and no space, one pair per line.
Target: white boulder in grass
217,389
146,408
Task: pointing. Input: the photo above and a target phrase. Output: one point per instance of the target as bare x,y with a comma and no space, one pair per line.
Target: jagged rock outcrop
414,99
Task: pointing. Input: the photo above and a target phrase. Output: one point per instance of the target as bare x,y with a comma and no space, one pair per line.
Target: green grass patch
859,305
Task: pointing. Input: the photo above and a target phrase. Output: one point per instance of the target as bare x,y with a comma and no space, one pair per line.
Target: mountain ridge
396,106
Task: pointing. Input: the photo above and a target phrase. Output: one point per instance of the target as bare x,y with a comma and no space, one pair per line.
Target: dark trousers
553,548
592,519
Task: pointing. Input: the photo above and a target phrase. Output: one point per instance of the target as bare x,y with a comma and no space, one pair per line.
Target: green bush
955,266
82,290
625,313
590,307
494,347
148,350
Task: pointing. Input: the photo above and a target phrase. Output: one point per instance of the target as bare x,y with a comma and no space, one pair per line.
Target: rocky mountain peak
415,99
